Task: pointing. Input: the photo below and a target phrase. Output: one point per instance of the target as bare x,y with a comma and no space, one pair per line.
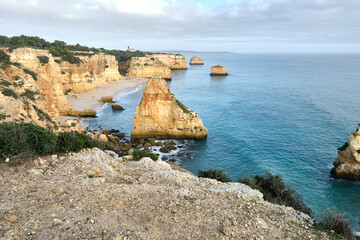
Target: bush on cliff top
29,139
274,190
214,174
25,138
139,154
335,221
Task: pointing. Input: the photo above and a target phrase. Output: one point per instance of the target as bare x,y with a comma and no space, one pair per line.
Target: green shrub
5,83
337,222
182,106
9,93
42,115
139,154
31,73
74,142
43,59
343,147
29,94
214,174
25,138
274,190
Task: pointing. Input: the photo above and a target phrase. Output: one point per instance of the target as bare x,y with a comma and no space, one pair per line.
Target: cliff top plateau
98,195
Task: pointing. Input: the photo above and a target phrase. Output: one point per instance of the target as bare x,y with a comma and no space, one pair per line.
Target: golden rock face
218,70
93,71
160,114
173,61
196,61
147,67
347,164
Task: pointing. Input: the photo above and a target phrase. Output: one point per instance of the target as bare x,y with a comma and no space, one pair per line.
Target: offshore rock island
160,114
347,164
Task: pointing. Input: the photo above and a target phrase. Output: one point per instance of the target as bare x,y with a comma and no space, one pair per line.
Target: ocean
287,114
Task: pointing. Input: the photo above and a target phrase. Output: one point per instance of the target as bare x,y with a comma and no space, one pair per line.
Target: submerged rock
218,70
161,114
117,107
196,61
347,164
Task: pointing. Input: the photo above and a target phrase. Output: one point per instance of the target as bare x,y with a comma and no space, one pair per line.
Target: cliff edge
98,195
160,114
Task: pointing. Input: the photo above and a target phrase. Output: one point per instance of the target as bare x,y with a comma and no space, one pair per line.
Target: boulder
103,138
117,107
120,135
105,131
218,70
87,113
106,99
113,139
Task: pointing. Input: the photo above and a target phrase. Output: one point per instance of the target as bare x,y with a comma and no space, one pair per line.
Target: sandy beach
92,99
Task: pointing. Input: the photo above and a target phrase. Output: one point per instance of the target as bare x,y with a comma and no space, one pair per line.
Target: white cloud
291,21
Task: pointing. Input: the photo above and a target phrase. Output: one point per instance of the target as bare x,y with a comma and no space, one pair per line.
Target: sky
244,26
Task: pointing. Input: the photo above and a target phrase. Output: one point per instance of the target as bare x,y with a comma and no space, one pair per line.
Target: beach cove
283,113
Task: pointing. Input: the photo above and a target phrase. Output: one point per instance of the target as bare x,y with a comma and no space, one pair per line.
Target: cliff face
218,70
32,91
160,114
173,61
93,71
147,67
49,79
347,164
196,61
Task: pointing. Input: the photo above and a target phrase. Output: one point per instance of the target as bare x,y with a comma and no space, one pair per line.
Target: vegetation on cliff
275,190
66,52
24,139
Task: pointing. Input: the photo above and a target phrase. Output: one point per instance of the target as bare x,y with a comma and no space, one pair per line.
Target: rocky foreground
98,195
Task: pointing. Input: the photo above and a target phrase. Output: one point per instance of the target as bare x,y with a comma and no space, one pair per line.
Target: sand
92,99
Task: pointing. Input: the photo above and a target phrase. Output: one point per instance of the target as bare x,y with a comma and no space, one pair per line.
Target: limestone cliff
93,71
48,76
347,164
31,89
196,61
173,61
147,67
160,114
218,70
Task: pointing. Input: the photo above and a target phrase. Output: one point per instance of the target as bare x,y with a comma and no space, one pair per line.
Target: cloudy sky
246,26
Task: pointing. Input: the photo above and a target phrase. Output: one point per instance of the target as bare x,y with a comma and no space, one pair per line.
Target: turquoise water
283,113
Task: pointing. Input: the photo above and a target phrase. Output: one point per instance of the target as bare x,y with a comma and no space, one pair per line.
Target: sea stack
160,114
347,164
196,61
218,70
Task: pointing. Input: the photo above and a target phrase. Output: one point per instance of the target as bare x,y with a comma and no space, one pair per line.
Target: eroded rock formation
148,67
160,114
31,91
347,164
196,61
218,70
93,71
173,61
